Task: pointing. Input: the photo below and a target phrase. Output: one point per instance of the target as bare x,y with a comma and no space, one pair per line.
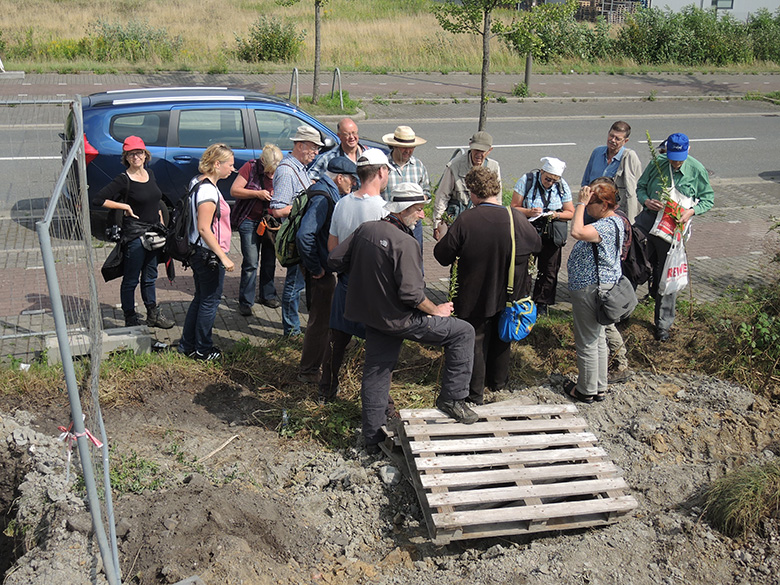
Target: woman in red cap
135,193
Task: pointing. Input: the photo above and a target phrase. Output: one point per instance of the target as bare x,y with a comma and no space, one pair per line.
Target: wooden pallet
520,469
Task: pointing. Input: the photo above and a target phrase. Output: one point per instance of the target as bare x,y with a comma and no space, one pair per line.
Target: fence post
294,82
337,74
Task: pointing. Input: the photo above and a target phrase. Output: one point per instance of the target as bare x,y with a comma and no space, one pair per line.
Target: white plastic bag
675,275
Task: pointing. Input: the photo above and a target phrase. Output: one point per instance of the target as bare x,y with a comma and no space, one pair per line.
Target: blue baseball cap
341,165
677,147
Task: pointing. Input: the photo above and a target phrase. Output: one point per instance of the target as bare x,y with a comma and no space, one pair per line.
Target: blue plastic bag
517,320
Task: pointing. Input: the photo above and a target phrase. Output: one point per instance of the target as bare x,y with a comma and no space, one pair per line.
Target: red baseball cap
133,143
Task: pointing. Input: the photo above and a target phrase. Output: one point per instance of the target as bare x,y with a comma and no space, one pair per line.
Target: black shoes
661,335
541,310
457,409
244,310
272,303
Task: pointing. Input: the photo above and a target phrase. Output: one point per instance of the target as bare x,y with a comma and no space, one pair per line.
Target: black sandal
571,391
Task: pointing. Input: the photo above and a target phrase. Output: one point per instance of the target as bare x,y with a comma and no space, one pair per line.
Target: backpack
286,246
636,265
177,238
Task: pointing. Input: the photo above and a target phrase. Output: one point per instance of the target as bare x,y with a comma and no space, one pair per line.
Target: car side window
277,128
201,128
151,127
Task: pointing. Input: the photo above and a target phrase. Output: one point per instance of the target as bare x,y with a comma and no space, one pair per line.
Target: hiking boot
211,355
457,409
155,318
620,375
133,320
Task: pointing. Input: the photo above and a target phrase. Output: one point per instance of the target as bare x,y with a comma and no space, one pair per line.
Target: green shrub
134,41
690,37
764,31
270,40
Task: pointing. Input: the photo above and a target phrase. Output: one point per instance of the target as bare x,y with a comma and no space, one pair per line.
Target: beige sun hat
404,137
307,134
405,195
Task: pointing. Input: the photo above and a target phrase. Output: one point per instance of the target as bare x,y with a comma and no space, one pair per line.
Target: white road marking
514,145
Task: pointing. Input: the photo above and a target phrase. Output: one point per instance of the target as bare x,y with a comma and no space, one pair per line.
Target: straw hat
404,137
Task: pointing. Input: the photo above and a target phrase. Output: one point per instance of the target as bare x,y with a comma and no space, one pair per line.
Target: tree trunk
315,92
485,70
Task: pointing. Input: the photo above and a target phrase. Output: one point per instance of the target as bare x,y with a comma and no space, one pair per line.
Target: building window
723,4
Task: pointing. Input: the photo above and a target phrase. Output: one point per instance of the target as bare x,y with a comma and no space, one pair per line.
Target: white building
739,9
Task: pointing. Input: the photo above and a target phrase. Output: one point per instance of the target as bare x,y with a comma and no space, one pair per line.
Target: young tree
318,4
472,17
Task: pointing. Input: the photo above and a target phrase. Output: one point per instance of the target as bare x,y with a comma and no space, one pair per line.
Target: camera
212,262
113,233
210,259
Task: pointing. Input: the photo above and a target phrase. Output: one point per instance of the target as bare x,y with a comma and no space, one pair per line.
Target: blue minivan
177,125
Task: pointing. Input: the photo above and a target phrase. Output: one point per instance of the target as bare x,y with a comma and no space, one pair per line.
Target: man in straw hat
405,167
290,179
385,269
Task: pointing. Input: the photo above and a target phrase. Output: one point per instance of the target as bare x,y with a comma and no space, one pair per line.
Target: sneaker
209,356
245,310
457,409
272,303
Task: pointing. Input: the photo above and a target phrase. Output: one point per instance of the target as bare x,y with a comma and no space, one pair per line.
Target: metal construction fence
67,298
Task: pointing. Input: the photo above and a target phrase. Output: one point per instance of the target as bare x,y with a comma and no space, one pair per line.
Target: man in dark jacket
312,241
384,265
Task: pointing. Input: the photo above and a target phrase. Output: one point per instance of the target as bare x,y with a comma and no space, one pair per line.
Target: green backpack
286,246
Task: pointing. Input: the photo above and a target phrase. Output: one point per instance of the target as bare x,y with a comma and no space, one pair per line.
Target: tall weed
133,41
270,40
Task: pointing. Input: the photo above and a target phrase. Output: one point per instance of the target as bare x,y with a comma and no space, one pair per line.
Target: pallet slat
540,512
454,462
512,494
467,445
518,426
493,476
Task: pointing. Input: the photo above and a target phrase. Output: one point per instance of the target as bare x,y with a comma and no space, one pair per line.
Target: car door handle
183,158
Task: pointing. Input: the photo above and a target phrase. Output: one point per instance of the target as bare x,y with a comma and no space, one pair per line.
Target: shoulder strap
510,285
296,174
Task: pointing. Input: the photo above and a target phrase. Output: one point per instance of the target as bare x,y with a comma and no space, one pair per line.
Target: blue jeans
291,295
199,322
139,264
254,249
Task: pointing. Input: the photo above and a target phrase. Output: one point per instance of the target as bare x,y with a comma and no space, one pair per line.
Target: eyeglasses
136,153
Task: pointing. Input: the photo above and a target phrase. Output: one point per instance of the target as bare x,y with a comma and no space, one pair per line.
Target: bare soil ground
263,509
